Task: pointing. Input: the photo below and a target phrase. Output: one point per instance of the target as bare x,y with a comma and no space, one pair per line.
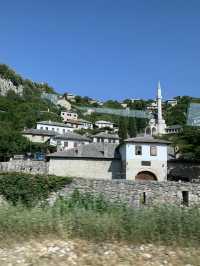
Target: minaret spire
161,122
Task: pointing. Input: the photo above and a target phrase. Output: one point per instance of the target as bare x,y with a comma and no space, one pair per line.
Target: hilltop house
68,140
69,115
38,135
60,128
102,124
105,138
79,124
141,158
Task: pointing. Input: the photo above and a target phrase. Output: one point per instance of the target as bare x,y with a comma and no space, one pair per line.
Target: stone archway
146,175
148,131
154,131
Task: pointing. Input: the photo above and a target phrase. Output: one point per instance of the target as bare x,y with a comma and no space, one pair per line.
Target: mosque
157,126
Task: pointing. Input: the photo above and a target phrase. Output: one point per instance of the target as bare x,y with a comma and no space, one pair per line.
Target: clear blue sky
104,48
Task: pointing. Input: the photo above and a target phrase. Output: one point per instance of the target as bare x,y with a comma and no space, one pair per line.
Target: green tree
123,128
132,127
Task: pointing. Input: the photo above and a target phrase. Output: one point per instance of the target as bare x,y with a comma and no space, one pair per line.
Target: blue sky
104,48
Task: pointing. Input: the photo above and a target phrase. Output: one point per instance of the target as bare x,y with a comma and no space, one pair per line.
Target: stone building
60,128
105,138
69,115
144,158
68,141
136,159
38,135
95,160
102,124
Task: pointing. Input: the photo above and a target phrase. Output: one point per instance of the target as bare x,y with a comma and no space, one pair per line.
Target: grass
95,219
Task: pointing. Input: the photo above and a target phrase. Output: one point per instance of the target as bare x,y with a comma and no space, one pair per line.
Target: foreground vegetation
95,219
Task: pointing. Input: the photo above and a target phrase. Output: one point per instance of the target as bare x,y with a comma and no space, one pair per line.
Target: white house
69,115
68,140
172,102
144,158
141,158
79,124
54,126
105,138
102,124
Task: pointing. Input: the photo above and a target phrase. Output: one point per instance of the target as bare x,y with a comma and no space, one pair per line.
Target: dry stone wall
25,166
136,194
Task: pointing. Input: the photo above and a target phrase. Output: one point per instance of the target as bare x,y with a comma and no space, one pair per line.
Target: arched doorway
154,131
148,131
146,175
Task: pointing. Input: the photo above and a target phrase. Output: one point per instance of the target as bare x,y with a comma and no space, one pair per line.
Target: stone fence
134,193
25,166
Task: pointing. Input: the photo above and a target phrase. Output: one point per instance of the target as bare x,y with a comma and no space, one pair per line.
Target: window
138,150
46,128
57,129
66,144
41,128
185,198
143,198
63,130
58,142
75,144
53,128
153,150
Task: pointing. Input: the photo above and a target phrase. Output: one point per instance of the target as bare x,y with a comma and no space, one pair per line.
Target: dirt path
53,252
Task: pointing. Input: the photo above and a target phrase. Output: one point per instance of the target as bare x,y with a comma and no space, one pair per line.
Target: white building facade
102,124
144,158
54,126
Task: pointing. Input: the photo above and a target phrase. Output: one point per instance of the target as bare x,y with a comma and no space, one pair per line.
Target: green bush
29,189
166,224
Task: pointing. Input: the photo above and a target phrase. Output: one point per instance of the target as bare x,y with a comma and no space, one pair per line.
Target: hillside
21,106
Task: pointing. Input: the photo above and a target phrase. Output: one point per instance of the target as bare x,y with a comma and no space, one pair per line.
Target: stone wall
86,168
25,166
136,194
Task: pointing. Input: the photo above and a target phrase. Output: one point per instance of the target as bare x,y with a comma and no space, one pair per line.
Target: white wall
133,163
86,168
58,129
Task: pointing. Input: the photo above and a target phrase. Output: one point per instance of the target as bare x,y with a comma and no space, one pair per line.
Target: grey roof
105,135
72,136
52,123
34,131
147,139
93,150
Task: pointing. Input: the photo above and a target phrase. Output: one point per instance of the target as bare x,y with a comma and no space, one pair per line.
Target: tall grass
95,219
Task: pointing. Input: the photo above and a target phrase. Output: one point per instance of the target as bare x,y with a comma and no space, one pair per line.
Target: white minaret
161,122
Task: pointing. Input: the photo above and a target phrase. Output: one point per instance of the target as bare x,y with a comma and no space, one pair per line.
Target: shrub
29,189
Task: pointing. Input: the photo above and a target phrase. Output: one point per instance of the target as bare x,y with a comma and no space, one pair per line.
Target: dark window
138,150
146,163
143,198
66,144
185,195
46,128
75,144
153,150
